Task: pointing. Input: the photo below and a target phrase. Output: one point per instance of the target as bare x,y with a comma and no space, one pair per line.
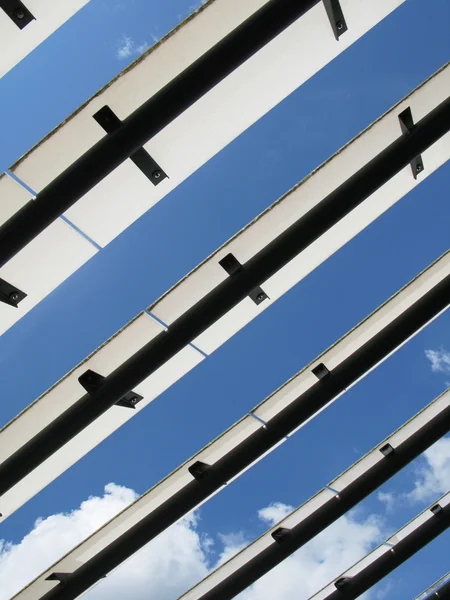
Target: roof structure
169,116
145,358
123,151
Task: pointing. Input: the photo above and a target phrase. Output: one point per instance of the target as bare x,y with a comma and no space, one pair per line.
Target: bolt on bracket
110,122
232,266
92,382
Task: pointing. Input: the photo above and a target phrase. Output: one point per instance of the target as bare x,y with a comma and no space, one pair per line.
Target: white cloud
127,47
173,562
439,359
433,476
232,544
51,538
142,48
318,562
180,556
164,569
388,499
384,590
274,513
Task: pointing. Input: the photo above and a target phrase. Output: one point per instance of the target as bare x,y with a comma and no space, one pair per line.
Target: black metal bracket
17,12
280,534
61,577
342,582
10,294
110,122
387,450
199,470
232,266
336,16
92,382
436,509
407,126
321,372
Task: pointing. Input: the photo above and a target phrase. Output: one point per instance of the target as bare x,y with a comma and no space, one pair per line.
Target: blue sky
174,236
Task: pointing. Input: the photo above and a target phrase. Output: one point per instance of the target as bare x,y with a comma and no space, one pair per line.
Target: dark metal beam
209,478
443,593
147,121
381,567
314,524
110,122
234,289
439,590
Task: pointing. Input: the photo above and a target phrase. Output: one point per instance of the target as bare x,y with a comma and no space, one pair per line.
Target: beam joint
233,267
110,123
92,382
407,126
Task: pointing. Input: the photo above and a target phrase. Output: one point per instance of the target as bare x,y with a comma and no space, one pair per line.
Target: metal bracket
336,16
280,534
387,450
407,126
436,509
110,122
17,12
61,577
92,382
321,372
199,470
342,582
232,266
10,294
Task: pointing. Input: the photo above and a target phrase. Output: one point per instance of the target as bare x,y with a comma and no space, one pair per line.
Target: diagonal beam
230,292
148,120
107,549
386,558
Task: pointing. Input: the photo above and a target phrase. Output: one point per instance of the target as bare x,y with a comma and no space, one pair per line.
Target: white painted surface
312,505
12,197
356,338
401,435
180,478
383,548
44,263
49,16
297,203
210,124
181,148
68,390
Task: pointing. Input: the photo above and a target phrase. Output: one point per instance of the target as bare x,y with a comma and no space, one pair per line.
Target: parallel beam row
342,494
391,554
47,426
248,441
172,110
